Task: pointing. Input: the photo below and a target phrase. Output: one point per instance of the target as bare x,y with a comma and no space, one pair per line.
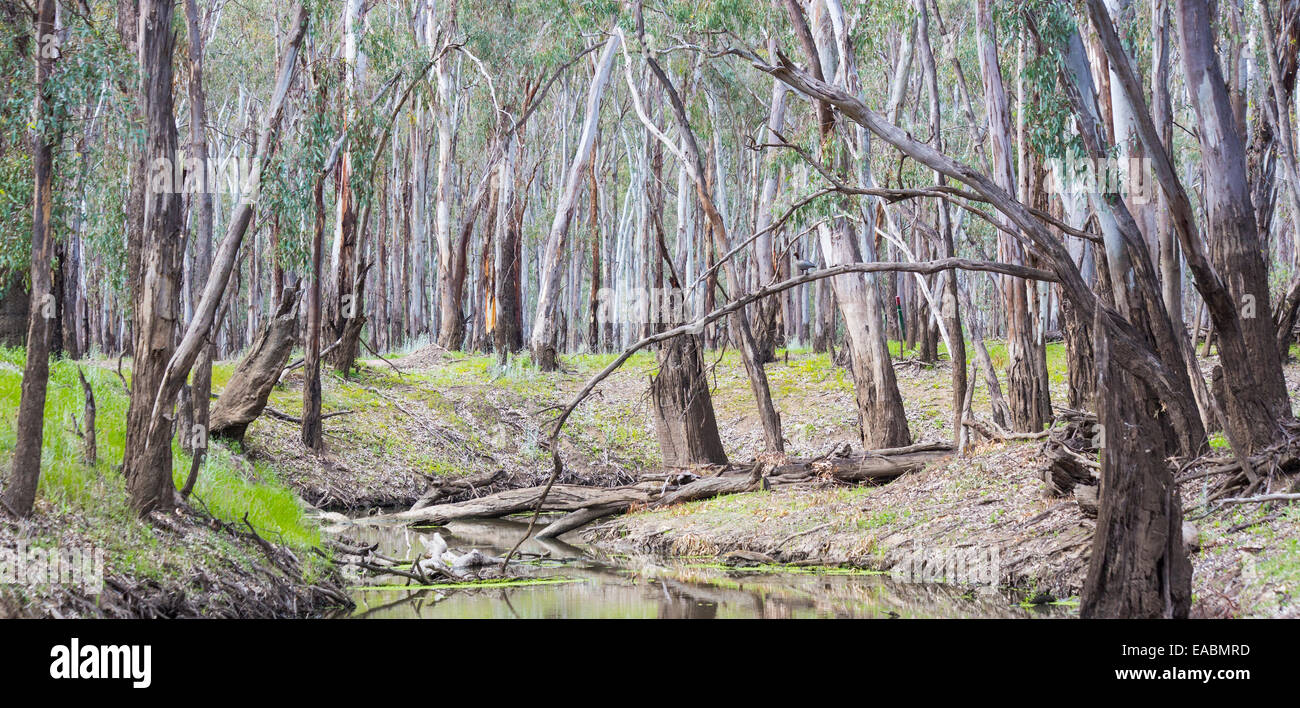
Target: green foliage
228,487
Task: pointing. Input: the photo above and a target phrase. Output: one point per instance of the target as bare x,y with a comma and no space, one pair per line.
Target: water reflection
606,586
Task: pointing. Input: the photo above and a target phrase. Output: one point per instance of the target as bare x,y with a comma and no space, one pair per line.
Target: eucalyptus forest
623,308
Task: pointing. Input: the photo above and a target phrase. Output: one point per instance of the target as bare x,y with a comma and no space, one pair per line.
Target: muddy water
567,579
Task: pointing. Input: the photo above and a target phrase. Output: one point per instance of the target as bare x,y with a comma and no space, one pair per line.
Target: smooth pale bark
881,416
951,314
766,320
1030,409
451,253
201,380
1171,272
20,493
544,332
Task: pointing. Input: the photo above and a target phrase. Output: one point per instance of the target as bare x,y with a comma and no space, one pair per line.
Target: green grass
94,497
1057,364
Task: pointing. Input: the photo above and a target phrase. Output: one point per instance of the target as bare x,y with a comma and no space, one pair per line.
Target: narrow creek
564,578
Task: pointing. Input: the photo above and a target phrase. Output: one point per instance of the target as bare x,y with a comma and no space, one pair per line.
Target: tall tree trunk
1257,396
741,328
552,267
201,385
20,493
312,433
765,321
881,417
506,334
148,455
1029,409
951,313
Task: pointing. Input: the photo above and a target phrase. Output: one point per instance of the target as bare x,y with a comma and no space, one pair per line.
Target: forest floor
429,414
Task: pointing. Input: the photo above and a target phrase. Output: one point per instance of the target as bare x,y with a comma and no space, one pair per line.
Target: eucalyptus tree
43,45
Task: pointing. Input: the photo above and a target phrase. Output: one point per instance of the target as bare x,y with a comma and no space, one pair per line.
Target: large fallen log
563,497
657,489
445,488
710,487
850,468
874,466
581,517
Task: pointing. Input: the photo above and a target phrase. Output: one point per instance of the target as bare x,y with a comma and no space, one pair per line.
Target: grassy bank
80,504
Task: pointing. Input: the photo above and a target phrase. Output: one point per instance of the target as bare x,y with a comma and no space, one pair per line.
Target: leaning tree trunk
740,323
147,464
256,374
20,494
552,266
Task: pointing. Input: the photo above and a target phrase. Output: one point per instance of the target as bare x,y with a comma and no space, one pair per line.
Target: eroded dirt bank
452,415
448,416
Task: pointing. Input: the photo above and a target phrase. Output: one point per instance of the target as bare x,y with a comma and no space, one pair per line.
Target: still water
566,579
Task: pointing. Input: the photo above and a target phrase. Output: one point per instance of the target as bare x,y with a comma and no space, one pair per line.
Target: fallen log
873,466
562,497
710,487
445,488
582,517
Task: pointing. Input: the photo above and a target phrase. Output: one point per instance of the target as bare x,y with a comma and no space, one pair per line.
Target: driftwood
656,489
579,518
441,489
244,398
562,497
